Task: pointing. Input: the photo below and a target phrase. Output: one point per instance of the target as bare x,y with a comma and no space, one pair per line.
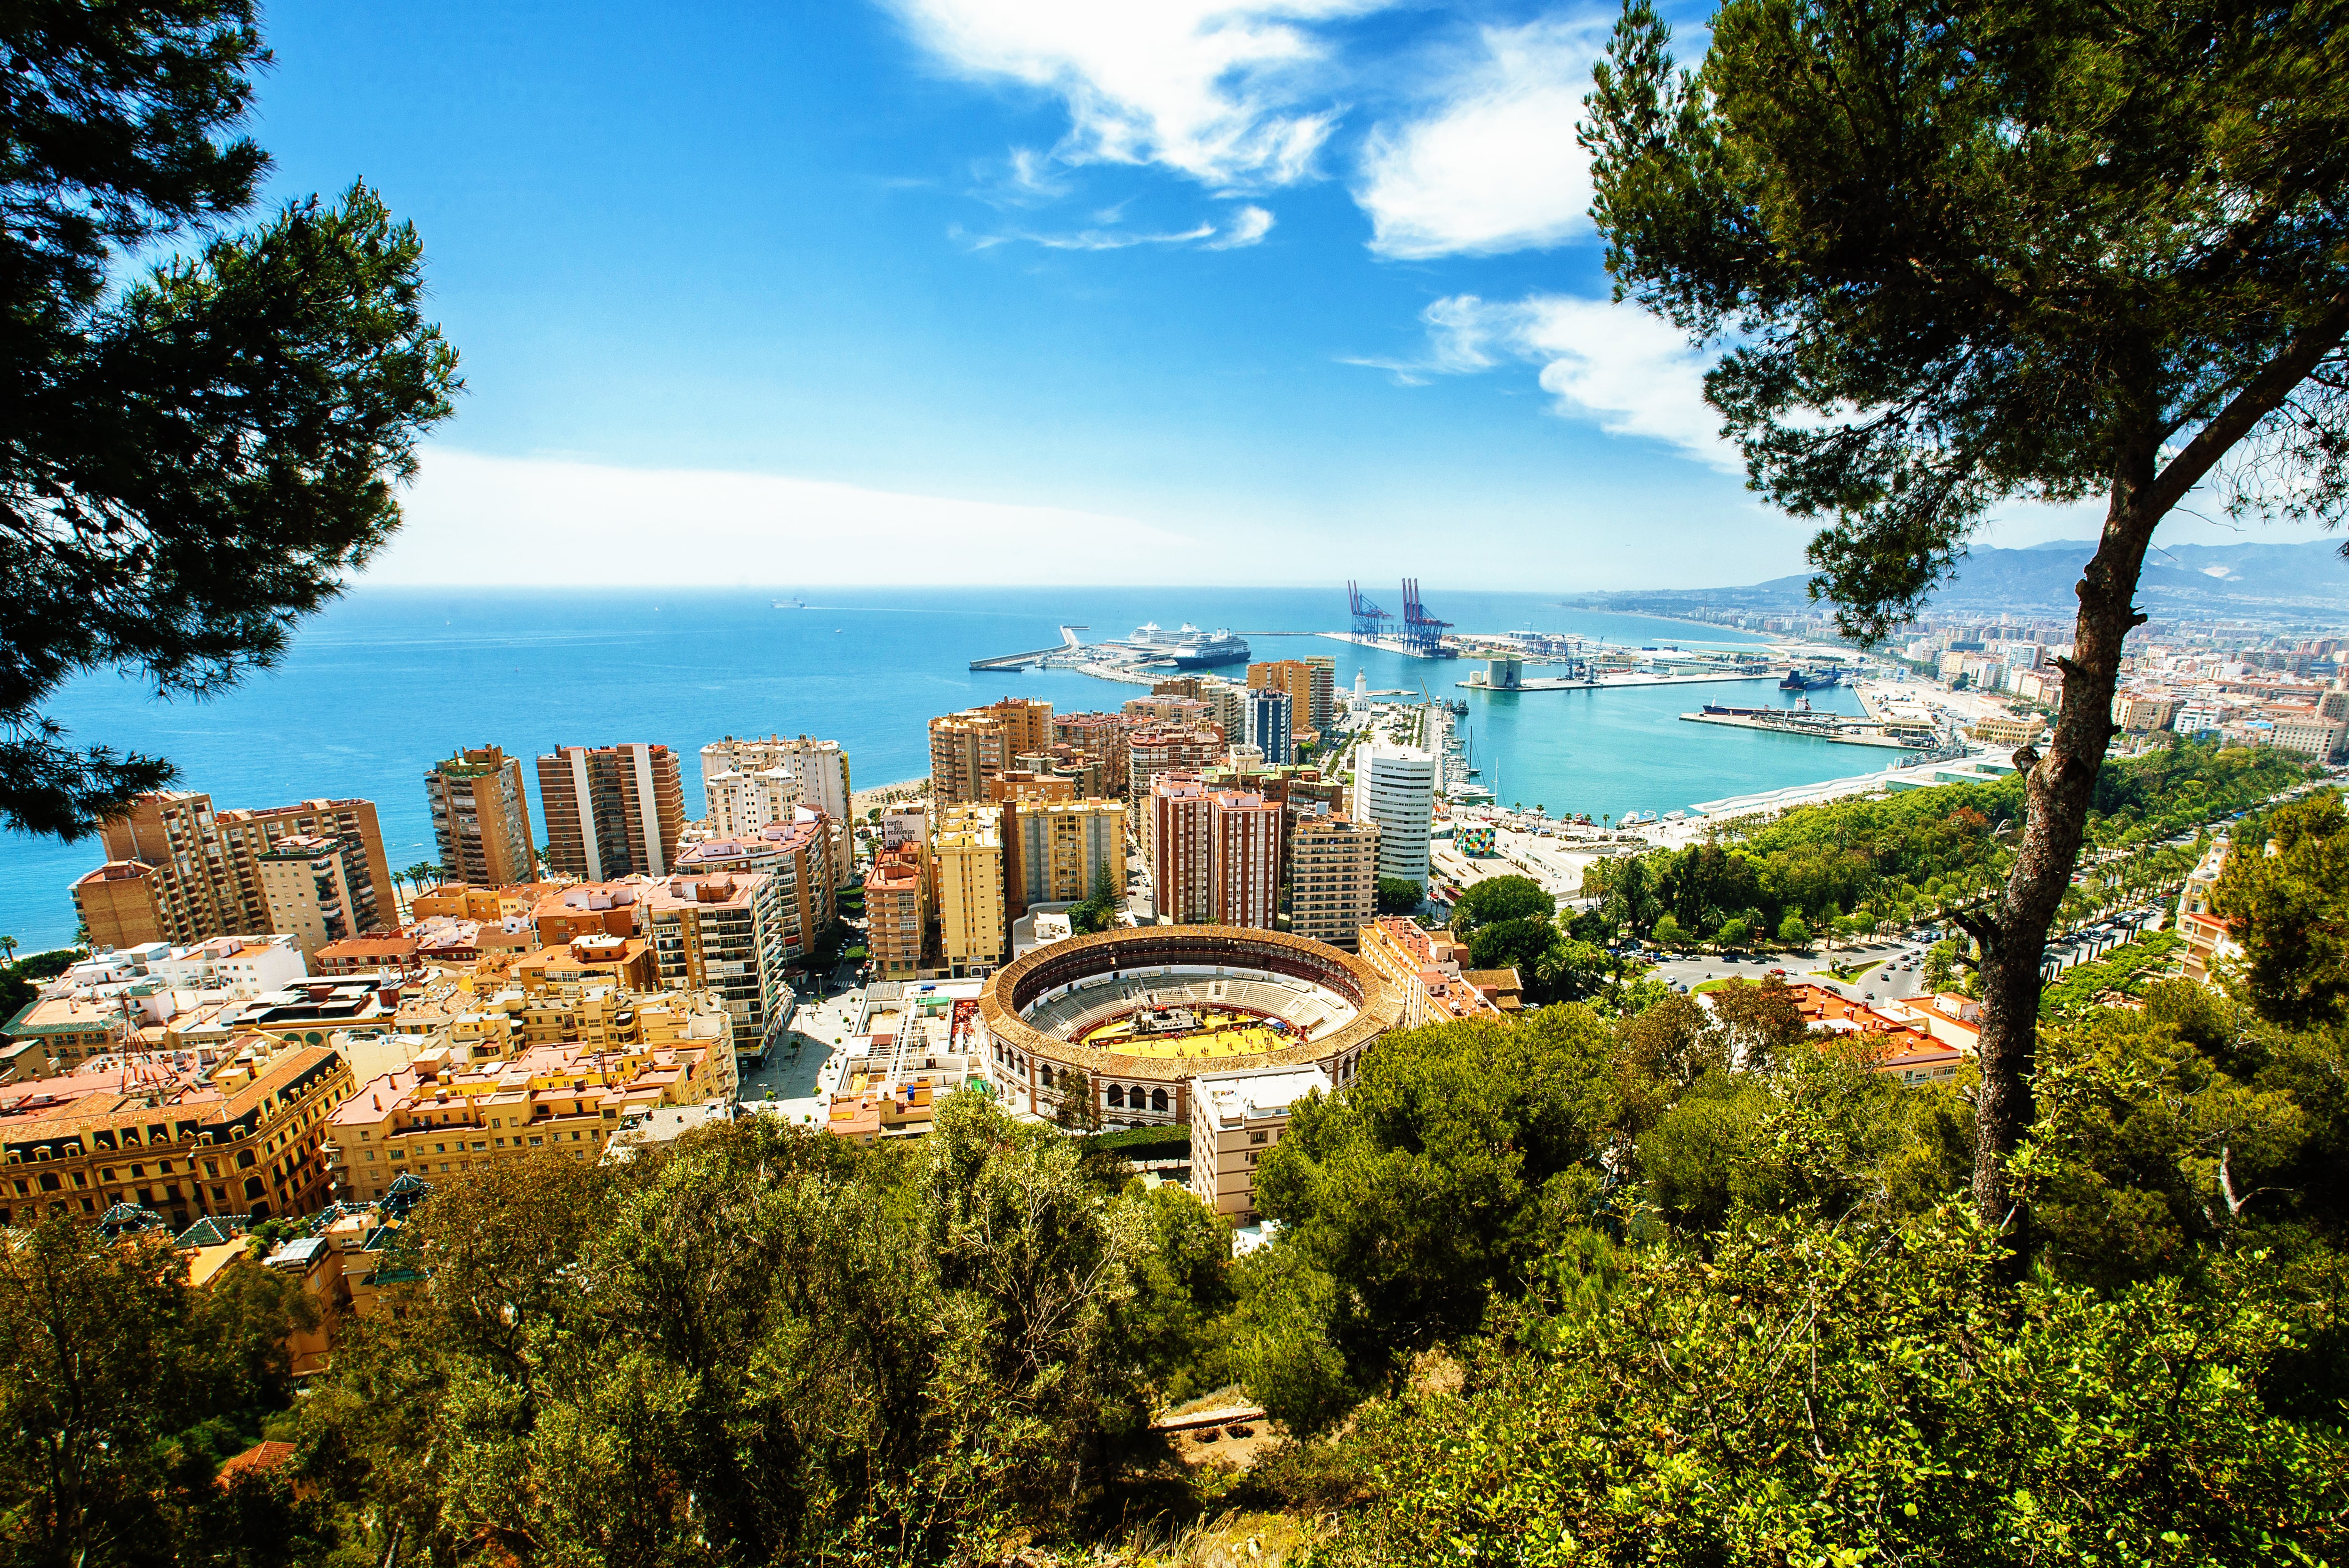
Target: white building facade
1394,788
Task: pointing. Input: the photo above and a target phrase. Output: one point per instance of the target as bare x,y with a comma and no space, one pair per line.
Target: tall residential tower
611,810
481,819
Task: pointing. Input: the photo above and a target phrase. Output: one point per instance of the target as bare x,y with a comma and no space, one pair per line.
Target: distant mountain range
2193,581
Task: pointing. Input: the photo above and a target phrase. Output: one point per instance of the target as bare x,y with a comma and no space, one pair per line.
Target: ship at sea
1185,648
1811,680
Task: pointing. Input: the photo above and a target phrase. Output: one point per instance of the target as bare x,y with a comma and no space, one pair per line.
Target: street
803,1064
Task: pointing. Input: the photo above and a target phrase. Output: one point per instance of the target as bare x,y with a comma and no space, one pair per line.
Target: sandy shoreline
862,801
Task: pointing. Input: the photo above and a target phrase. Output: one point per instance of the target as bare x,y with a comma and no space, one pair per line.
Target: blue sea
386,680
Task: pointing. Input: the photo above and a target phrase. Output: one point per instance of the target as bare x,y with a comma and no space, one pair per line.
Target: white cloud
1249,225
1630,373
1211,88
1492,164
478,519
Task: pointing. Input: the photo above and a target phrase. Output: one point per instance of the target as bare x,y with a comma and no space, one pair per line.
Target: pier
1067,644
1604,683
1816,725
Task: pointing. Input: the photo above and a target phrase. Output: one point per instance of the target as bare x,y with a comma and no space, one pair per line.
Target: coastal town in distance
1173,914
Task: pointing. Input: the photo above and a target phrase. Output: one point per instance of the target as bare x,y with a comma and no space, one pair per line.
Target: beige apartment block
612,810
968,855
1058,849
180,872
969,747
749,784
723,932
798,856
1155,750
1311,685
318,889
2311,736
896,914
1235,1119
1099,739
1333,878
481,818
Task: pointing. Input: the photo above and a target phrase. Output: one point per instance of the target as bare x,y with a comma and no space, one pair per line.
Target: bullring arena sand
1221,1032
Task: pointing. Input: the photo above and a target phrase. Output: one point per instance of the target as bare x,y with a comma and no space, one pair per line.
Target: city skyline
857,294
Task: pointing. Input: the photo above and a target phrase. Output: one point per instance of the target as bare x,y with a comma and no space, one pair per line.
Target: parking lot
1894,971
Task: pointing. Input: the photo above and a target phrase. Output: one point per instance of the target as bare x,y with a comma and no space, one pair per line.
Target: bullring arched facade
1335,1003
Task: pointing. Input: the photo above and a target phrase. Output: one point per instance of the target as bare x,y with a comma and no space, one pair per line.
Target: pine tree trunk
2059,787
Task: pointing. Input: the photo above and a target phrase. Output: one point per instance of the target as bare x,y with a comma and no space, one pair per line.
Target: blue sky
1020,289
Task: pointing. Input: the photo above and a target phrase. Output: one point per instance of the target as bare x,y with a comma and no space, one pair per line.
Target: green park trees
121,1388
1959,256
2290,904
1399,895
201,446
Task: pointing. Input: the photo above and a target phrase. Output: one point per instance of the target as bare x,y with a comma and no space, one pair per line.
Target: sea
386,680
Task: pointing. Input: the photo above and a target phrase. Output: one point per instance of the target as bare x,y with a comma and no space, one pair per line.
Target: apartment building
612,810
1156,750
1266,724
896,913
973,929
439,1117
724,933
232,1132
178,871
318,889
1236,1118
1394,789
1333,878
1214,855
2310,735
1180,849
1311,684
969,747
602,1017
751,784
1426,965
1025,783
2141,713
481,818
1055,850
1098,738
798,856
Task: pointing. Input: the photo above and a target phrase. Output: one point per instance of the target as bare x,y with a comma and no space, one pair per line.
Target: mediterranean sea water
386,680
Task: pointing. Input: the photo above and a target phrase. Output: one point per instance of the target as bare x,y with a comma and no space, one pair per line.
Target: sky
1010,290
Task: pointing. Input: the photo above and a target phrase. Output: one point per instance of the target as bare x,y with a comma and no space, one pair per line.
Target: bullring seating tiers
1089,1005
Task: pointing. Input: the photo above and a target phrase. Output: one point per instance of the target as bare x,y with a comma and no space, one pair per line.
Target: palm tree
7,950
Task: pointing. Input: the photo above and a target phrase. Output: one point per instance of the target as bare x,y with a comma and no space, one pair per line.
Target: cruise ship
1187,648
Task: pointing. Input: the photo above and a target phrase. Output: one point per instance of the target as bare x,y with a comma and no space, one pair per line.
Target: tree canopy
1960,254
197,458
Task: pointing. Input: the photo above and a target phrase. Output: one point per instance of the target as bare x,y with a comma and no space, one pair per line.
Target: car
1781,973
1871,995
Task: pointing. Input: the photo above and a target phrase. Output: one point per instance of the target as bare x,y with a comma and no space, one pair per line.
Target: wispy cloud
1612,364
1247,226
1489,163
1223,92
478,519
